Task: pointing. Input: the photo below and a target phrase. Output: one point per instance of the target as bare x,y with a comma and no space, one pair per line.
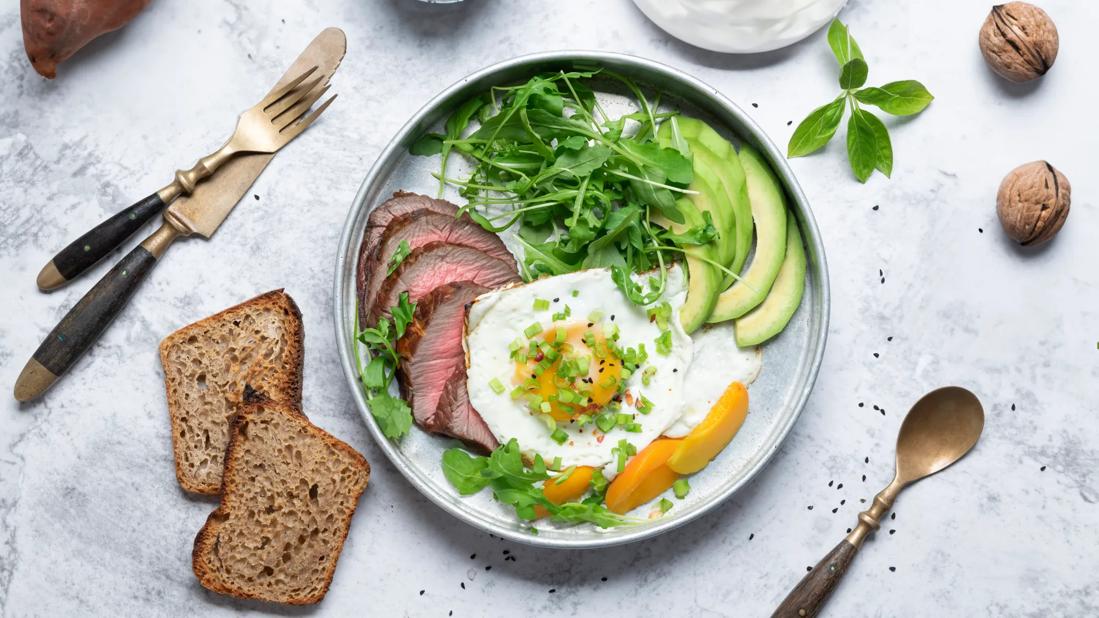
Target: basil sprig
868,145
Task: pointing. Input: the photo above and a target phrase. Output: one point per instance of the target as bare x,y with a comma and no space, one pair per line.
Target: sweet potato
53,30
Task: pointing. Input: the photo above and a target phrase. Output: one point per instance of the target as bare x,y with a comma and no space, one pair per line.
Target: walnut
1033,202
1019,41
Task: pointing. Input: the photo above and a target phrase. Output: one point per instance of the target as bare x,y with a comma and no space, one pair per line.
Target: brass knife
200,213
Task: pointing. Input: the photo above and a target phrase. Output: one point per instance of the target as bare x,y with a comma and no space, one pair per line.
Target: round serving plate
790,361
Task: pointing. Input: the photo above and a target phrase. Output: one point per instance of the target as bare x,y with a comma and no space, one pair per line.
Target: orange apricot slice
568,490
644,478
714,433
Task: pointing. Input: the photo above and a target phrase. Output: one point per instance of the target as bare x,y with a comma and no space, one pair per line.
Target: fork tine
295,113
281,92
293,130
292,98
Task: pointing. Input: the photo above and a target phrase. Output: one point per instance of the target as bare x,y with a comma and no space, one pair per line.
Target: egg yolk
571,392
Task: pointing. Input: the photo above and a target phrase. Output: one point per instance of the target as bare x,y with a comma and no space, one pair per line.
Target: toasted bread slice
289,492
257,345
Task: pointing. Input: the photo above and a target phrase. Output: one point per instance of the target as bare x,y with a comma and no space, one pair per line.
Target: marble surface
926,291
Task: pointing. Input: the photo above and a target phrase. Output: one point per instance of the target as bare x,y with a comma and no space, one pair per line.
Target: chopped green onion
565,395
632,427
545,407
665,505
583,419
681,488
496,386
555,464
647,375
605,422
564,476
664,343
517,392
547,420
598,481
533,330
595,317
562,315
644,406
559,436
622,419
583,364
575,293
515,345
613,332
541,304
561,335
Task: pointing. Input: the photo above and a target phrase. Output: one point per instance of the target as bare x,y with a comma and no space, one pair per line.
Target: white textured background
91,518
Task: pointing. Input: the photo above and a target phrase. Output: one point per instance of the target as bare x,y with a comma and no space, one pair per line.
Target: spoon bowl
939,429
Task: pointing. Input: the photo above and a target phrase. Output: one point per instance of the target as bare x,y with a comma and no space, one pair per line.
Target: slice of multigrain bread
257,345
289,493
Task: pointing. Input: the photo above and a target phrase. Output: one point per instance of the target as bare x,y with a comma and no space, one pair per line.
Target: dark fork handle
93,246
82,325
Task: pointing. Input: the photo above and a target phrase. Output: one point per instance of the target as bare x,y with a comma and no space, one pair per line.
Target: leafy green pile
868,143
393,415
515,484
582,187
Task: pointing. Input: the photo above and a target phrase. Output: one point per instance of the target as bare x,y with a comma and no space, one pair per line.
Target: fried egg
569,367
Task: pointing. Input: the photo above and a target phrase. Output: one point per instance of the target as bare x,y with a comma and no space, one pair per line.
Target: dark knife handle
94,245
82,325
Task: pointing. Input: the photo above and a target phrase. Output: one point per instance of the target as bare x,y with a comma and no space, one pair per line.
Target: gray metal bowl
790,361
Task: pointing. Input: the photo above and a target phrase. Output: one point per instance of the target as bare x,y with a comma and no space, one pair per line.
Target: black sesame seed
602,579
892,531
552,590
1042,469
463,584
612,317
675,370
590,324
255,196
876,355
875,206
840,486
883,411
867,460
473,556
1012,407
893,569
557,300
848,531
830,483
864,478
835,509
861,404
810,507
808,568
507,551
488,568
421,593
789,122
889,338
980,231
876,407
751,536
843,502
755,105
893,516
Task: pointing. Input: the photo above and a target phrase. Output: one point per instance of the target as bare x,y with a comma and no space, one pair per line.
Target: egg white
501,316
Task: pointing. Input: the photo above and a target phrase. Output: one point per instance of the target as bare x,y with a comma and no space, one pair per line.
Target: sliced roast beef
432,371
419,228
436,264
401,203
459,418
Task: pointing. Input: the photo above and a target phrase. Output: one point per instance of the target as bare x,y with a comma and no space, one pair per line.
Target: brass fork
264,128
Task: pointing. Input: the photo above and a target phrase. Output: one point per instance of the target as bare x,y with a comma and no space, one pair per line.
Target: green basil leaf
853,74
903,98
464,471
862,145
884,162
842,43
817,129
392,414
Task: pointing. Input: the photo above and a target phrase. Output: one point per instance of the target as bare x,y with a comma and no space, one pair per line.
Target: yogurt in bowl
740,26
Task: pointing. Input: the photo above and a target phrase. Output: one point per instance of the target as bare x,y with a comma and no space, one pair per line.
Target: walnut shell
1033,202
1019,41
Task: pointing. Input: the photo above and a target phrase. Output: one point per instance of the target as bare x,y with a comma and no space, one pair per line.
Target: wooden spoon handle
809,595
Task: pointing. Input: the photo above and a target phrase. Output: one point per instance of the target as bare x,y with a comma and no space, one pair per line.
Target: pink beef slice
419,228
436,264
432,373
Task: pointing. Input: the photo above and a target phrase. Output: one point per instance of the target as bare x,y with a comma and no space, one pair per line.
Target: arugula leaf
698,235
862,145
393,415
583,162
817,129
853,74
374,375
842,43
674,166
402,314
398,256
464,471
903,98
429,144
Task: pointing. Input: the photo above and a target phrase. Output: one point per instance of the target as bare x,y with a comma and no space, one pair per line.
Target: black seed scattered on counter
808,568
883,411
980,231
875,207
1012,407
810,507
840,486
473,556
867,460
876,407
789,122
552,590
755,105
463,585
256,195
876,355
1042,469
557,300
892,531
843,502
602,579
507,551
751,536
889,338
848,531
422,593
835,510
861,404
830,483
488,567
864,478
451,613
893,516
893,569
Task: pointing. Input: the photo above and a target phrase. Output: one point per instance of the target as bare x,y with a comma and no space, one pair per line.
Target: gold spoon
938,430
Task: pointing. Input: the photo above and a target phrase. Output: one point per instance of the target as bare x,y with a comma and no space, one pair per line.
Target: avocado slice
769,212
716,160
703,278
774,313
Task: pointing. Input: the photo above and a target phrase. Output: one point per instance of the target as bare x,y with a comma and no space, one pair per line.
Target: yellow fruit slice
644,478
713,434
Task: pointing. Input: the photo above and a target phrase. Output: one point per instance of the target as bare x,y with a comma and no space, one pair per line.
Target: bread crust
289,378
207,537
